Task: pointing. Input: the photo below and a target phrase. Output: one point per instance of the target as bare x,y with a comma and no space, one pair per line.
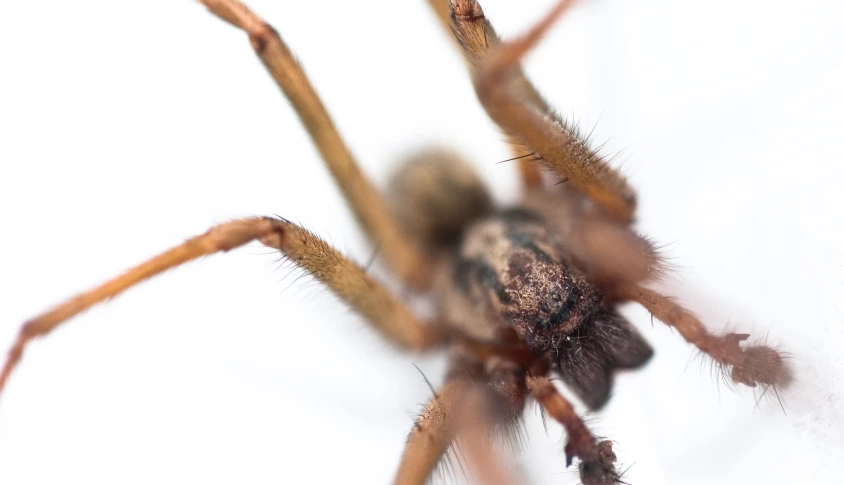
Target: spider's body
509,274
513,271
523,293
512,268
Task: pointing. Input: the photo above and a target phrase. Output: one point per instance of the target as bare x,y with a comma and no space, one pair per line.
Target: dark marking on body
517,257
513,271
477,271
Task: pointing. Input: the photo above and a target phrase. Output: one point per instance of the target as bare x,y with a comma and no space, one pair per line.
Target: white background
126,127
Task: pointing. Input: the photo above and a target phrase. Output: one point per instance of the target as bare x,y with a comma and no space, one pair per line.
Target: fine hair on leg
597,460
475,437
401,252
432,434
346,279
752,364
475,36
555,144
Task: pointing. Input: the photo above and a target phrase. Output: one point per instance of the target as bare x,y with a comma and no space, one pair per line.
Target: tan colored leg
516,107
442,9
474,35
477,37
466,412
477,428
750,365
346,279
481,396
597,465
401,253
432,434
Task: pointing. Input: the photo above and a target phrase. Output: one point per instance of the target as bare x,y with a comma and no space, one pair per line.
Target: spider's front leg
515,105
346,279
474,35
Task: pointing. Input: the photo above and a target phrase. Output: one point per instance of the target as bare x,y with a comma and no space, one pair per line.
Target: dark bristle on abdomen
512,269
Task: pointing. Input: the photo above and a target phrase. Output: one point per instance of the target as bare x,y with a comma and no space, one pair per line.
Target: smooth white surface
126,127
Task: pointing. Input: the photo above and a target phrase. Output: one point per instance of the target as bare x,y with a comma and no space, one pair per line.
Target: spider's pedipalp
597,460
400,251
751,365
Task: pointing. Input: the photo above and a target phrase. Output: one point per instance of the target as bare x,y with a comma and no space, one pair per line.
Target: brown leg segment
475,35
481,395
346,279
442,9
597,465
750,365
477,427
401,252
513,105
432,434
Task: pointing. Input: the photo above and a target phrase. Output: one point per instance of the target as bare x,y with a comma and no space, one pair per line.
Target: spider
385,246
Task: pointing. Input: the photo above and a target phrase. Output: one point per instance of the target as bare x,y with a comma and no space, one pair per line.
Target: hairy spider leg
597,460
346,279
400,251
517,108
753,364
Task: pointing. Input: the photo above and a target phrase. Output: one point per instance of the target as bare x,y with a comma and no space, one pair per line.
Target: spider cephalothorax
522,293
513,269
